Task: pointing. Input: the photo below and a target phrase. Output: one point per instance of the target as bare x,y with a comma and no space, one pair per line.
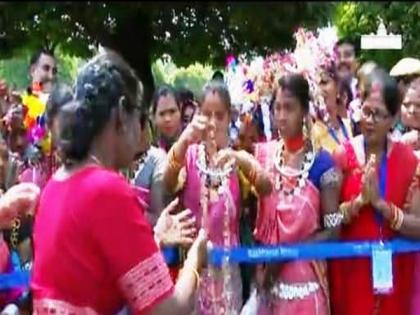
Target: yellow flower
35,106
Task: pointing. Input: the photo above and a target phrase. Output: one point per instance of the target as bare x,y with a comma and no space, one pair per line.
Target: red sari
351,279
94,249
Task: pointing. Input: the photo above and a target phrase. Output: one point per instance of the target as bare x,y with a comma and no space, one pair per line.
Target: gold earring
305,128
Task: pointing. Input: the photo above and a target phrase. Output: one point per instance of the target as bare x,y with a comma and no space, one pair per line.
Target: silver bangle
332,220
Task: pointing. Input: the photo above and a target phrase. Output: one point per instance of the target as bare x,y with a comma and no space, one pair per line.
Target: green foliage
16,70
193,77
354,19
202,31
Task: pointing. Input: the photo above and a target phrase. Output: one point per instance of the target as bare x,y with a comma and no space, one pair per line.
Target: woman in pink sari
210,188
302,203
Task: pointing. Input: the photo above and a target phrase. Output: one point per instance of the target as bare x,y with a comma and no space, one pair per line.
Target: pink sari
211,299
288,220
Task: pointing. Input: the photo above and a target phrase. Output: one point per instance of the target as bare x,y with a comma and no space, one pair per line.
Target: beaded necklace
284,173
214,185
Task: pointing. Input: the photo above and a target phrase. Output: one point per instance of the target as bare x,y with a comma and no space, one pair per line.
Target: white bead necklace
283,172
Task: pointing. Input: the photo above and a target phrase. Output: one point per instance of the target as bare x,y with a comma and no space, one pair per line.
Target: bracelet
344,210
332,220
397,217
196,274
173,161
157,240
253,175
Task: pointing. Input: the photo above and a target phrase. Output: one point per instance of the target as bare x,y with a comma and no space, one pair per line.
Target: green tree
142,32
192,77
354,19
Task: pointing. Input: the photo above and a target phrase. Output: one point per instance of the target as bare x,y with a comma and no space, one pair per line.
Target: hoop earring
305,130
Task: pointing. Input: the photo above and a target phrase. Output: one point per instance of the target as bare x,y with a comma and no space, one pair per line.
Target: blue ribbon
255,255
382,177
14,280
308,251
343,129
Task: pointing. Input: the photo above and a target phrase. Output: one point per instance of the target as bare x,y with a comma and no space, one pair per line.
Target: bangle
195,272
344,210
253,175
173,161
157,240
397,217
332,220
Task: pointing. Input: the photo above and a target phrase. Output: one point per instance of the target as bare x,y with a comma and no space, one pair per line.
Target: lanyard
331,131
382,176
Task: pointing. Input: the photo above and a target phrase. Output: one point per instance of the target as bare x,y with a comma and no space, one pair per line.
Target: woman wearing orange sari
380,201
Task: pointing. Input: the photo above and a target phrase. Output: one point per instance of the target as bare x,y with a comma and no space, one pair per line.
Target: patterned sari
211,299
288,220
351,279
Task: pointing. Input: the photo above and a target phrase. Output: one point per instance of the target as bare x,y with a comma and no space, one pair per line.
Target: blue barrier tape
253,255
308,251
14,279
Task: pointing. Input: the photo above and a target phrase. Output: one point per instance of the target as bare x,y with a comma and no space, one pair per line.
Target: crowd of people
95,184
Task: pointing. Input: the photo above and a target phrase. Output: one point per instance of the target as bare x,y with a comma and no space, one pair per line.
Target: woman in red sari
377,194
94,249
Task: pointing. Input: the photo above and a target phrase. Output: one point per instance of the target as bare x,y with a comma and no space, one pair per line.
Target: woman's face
168,116
376,121
216,111
288,114
410,110
329,92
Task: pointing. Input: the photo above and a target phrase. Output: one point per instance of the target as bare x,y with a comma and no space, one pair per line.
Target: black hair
354,42
164,90
344,88
218,75
35,57
331,69
185,95
298,86
219,87
60,95
389,89
103,84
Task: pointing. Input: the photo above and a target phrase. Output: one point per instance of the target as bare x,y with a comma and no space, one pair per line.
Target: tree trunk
132,38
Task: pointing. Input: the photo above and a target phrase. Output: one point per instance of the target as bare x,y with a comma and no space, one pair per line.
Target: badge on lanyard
382,270
381,257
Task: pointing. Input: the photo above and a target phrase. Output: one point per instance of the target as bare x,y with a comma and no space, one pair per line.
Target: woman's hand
195,130
175,229
226,157
369,173
19,200
371,183
197,255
